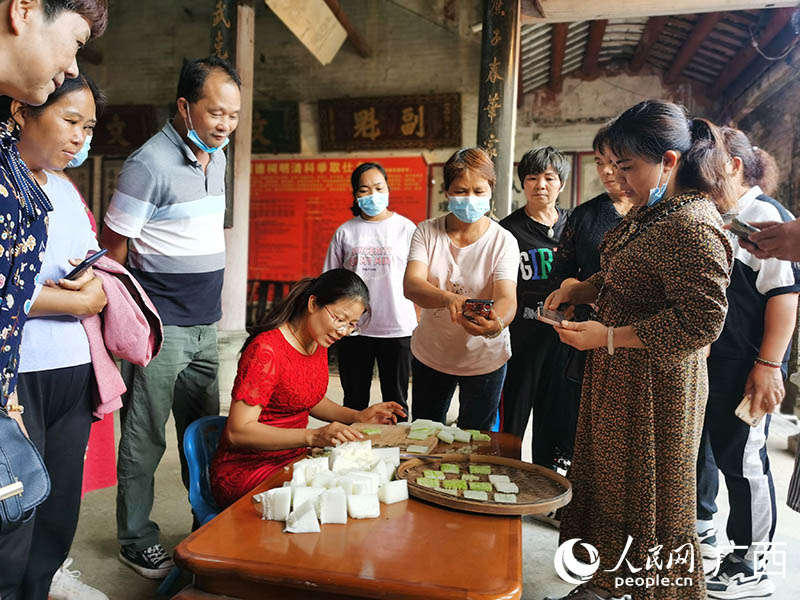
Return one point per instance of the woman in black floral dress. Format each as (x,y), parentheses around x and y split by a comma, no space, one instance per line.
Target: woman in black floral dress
(660,299)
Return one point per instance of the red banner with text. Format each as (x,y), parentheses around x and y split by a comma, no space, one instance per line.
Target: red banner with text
(296,205)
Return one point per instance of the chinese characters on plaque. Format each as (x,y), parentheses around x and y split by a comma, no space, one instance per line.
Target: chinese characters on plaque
(432,121)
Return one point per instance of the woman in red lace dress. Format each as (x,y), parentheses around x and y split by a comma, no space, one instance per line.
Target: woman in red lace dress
(282,379)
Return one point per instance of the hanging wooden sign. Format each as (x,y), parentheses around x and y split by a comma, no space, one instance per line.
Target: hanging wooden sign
(432,121)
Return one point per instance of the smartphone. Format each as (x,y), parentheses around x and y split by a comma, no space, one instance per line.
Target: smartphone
(478,307)
(552,317)
(743,412)
(742,229)
(87,262)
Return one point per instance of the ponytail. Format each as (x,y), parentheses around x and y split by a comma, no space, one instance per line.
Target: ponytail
(330,287)
(758,166)
(704,166)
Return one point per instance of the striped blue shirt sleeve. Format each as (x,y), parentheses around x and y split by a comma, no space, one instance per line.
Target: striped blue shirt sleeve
(134,201)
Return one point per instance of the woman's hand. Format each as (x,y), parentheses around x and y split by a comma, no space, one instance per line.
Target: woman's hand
(566,294)
(765,386)
(475,324)
(93,298)
(583,335)
(383,413)
(455,304)
(332,434)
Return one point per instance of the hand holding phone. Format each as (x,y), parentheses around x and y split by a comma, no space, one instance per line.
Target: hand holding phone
(85,264)
(743,412)
(743,230)
(478,307)
(552,317)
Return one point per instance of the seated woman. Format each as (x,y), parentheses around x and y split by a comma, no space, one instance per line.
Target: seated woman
(55,371)
(455,257)
(282,378)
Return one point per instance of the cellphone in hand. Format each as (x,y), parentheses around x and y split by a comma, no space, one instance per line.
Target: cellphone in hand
(478,307)
(85,264)
(743,412)
(742,229)
(552,317)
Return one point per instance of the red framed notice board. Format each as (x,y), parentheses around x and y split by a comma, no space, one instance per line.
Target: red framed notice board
(296,205)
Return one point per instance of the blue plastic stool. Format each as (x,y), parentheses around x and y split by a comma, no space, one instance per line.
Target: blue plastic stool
(200,443)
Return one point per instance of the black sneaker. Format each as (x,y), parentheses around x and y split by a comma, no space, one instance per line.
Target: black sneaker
(708,544)
(152,562)
(736,579)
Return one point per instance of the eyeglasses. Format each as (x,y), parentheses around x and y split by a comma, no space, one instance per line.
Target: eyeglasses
(341,326)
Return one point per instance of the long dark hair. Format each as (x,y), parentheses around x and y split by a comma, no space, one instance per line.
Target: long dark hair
(652,127)
(758,166)
(330,287)
(355,182)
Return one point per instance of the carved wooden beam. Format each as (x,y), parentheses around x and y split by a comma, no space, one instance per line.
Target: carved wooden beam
(361,47)
(596,32)
(777,47)
(700,31)
(653,29)
(558,46)
(780,17)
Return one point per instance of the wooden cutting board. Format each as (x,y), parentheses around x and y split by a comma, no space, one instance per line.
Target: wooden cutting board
(395,436)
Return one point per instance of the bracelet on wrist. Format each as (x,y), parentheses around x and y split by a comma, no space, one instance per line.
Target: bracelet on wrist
(768,363)
(494,334)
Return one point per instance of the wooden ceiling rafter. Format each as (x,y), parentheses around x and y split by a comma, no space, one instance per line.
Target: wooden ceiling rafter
(558,45)
(597,31)
(779,19)
(777,47)
(652,31)
(699,33)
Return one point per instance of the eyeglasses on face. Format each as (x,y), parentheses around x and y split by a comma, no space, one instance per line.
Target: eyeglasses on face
(341,326)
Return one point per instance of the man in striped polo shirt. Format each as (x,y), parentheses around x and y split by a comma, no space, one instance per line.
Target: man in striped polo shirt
(165,223)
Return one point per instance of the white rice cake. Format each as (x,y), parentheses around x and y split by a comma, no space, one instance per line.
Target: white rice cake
(302,495)
(474,495)
(506,488)
(303,520)
(333,506)
(276,503)
(363,506)
(499,478)
(506,498)
(394,491)
(391,455)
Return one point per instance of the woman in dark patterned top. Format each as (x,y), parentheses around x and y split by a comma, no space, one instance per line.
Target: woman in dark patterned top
(660,298)
(578,258)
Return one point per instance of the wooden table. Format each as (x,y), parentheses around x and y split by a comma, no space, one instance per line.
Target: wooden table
(414,550)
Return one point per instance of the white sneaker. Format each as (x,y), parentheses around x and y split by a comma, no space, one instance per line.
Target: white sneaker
(66,585)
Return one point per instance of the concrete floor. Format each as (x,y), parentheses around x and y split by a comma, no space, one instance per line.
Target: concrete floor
(95,548)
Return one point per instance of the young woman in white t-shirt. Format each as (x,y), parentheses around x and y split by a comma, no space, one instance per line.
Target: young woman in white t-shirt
(463,254)
(374,244)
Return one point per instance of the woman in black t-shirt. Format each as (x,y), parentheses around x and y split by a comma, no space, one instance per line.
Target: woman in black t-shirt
(531,380)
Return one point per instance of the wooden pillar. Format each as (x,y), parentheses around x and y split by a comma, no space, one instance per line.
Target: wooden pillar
(497,102)
(231,328)
(234,292)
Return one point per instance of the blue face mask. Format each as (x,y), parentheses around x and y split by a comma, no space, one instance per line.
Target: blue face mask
(657,193)
(468,209)
(82,154)
(374,204)
(192,135)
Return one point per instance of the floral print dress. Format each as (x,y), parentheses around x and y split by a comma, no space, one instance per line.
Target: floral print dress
(23,235)
(665,269)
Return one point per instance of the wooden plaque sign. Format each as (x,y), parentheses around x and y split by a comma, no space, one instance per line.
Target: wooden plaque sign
(432,121)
